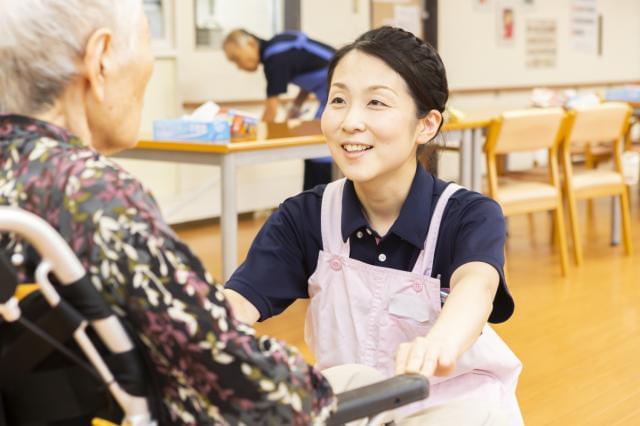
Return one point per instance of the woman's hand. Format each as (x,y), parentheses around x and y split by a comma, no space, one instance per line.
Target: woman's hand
(429,357)
(473,288)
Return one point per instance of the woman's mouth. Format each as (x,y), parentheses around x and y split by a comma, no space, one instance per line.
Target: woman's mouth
(355,148)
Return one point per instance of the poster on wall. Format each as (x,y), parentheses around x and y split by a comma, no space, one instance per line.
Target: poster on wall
(506,28)
(583,25)
(541,43)
(406,14)
(482,5)
(408,18)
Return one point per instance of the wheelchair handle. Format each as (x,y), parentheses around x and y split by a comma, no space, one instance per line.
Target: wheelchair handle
(46,240)
(376,398)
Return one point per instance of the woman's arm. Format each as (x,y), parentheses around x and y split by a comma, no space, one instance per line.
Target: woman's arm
(270,109)
(242,309)
(466,311)
(296,107)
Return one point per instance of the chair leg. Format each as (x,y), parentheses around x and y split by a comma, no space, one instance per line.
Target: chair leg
(575,231)
(626,222)
(532,228)
(589,163)
(562,240)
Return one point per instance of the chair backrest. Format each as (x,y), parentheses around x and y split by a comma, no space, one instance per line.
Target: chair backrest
(525,130)
(606,122)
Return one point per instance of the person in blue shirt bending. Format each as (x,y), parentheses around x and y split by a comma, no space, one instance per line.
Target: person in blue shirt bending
(290,57)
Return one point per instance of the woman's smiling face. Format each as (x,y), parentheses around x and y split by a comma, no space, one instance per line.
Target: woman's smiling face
(370,120)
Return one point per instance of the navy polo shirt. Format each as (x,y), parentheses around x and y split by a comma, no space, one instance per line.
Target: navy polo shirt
(285,252)
(281,68)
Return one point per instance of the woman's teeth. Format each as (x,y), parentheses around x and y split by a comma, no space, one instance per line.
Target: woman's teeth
(355,148)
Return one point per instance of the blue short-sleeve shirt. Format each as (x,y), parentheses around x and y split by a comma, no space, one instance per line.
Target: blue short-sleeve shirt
(285,252)
(281,68)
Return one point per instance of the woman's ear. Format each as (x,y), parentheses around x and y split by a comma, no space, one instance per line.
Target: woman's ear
(428,126)
(96,61)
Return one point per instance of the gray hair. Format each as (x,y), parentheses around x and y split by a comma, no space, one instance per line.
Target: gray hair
(239,36)
(42,40)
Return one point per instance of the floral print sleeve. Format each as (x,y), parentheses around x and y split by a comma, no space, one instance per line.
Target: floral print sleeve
(211,368)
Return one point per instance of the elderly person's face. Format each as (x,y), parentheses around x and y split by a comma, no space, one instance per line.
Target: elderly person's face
(115,86)
(245,55)
(80,64)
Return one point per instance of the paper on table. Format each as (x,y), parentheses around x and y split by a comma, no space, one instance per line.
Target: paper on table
(206,111)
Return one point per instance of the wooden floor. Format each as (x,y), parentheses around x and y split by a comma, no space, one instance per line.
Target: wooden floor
(578,337)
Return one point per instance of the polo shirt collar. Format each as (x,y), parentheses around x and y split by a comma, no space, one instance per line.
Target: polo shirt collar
(413,222)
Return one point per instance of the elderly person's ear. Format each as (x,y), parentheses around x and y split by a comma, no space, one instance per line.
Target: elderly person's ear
(97,60)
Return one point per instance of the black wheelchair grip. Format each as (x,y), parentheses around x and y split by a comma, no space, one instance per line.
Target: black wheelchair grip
(376,398)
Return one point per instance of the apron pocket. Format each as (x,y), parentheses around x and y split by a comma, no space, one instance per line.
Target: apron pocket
(409,306)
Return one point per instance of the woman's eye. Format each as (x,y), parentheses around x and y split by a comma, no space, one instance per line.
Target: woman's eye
(376,102)
(337,100)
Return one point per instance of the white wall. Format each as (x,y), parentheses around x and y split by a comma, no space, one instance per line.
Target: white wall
(468,45)
(335,22)
(205,73)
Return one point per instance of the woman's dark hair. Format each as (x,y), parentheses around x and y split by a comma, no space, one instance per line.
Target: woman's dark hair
(417,62)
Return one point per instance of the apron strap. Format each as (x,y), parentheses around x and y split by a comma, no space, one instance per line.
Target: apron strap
(331,219)
(424,264)
(301,42)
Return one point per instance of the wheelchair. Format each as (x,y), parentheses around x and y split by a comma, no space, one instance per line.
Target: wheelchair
(66,359)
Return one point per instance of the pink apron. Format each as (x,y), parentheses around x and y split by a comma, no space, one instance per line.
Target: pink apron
(360,313)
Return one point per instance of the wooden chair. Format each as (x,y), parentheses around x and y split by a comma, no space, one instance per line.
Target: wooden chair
(521,131)
(597,124)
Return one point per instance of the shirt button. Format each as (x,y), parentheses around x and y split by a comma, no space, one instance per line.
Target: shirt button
(382,257)
(335,264)
(369,231)
(359,234)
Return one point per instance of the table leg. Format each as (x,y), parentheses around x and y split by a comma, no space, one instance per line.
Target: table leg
(229,217)
(476,159)
(466,154)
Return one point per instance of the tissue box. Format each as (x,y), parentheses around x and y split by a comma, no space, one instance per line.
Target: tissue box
(627,94)
(217,130)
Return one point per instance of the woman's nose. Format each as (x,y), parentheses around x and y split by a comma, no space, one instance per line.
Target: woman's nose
(353,120)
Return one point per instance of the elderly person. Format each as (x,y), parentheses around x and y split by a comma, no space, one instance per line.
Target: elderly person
(72,80)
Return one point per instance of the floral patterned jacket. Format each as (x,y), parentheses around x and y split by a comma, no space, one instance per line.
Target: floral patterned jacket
(212,369)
